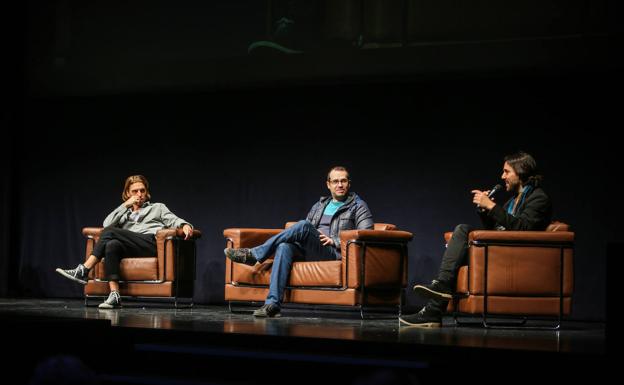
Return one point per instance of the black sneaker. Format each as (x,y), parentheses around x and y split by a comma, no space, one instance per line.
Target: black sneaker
(112,302)
(436,289)
(268,310)
(241,256)
(425,318)
(79,274)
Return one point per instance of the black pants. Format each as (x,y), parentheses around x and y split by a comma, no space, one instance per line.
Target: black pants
(454,257)
(115,244)
(455,254)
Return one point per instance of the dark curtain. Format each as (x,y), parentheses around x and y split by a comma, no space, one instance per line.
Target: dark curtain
(239,159)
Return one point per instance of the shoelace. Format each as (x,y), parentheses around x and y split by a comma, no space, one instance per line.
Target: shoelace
(113,298)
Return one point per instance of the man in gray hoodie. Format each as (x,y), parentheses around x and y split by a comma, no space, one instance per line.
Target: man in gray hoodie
(129,232)
(317,238)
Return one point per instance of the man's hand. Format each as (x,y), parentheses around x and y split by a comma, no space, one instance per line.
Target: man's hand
(325,240)
(133,200)
(481,199)
(188,231)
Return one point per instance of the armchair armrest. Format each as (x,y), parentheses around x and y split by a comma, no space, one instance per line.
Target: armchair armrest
(375,236)
(374,258)
(242,237)
(95,232)
(165,250)
(484,236)
(92,232)
(166,233)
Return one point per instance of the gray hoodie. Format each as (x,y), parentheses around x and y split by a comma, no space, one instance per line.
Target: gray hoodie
(152,217)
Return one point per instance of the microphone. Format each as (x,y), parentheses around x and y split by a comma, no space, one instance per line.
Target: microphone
(494,190)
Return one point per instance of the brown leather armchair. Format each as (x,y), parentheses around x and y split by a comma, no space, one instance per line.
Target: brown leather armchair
(517,273)
(170,274)
(372,270)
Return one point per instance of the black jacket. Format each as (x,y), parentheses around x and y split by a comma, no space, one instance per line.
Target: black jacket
(534,213)
(354,214)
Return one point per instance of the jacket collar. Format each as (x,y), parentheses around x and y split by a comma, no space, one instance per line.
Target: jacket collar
(350,199)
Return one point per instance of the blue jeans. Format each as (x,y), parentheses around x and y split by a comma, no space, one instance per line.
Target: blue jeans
(300,241)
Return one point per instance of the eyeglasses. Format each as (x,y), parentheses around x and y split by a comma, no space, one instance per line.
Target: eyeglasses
(335,182)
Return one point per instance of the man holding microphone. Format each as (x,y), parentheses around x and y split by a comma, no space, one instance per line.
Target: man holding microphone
(528,209)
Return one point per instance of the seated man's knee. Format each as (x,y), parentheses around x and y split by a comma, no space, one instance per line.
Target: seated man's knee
(463,228)
(304,225)
(108,232)
(113,246)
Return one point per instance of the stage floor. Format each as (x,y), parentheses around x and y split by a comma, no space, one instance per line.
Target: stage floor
(301,337)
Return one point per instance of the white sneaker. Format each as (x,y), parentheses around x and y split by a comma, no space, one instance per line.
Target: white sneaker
(112,302)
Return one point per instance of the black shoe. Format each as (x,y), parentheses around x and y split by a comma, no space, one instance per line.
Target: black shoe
(241,256)
(435,290)
(112,302)
(425,318)
(79,274)
(268,310)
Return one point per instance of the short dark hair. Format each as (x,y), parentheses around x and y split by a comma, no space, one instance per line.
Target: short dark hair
(525,166)
(339,168)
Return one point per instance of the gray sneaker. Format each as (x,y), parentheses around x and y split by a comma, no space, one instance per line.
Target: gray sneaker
(242,255)
(270,310)
(112,302)
(80,274)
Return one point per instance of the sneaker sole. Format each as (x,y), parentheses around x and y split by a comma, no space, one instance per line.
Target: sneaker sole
(422,325)
(271,46)
(428,293)
(268,316)
(64,274)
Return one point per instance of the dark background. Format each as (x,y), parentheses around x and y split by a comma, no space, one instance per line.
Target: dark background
(421,100)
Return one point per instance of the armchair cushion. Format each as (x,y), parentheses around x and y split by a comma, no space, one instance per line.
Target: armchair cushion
(320,273)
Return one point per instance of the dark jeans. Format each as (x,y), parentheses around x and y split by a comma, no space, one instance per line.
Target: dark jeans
(300,242)
(115,244)
(454,257)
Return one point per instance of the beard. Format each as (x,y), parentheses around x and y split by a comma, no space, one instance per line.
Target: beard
(514,186)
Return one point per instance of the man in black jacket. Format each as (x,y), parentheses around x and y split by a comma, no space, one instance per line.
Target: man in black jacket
(315,239)
(529,209)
